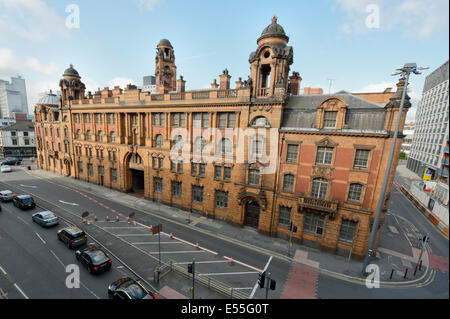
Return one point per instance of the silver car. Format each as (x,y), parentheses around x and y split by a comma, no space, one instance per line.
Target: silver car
(46,218)
(6,195)
(6,169)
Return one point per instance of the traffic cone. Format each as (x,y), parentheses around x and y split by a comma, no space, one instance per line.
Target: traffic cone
(117,219)
(196,246)
(171,236)
(107,218)
(95,218)
(128,220)
(231,262)
(151,226)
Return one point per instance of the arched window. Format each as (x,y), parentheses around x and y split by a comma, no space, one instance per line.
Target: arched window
(225,147)
(199,145)
(65,118)
(66,132)
(78,134)
(113,137)
(179,142)
(159,140)
(100,136)
(319,188)
(135,158)
(89,135)
(260,121)
(288,183)
(355,192)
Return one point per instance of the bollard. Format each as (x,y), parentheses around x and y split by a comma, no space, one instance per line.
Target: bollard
(107,218)
(406,272)
(117,218)
(95,218)
(128,220)
(420,265)
(415,270)
(171,236)
(231,261)
(392,273)
(196,246)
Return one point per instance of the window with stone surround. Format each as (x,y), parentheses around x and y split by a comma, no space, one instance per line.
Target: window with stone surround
(292,152)
(159,140)
(355,192)
(80,167)
(361,159)
(226,120)
(90,170)
(197,193)
(157,185)
(201,120)
(348,229)
(329,119)
(113,175)
(314,223)
(324,155)
(158,119)
(284,216)
(253,176)
(221,199)
(176,189)
(177,119)
(288,183)
(319,188)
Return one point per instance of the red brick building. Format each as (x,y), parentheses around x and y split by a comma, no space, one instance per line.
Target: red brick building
(327,153)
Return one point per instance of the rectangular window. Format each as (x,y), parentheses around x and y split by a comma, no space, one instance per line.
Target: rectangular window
(113,175)
(314,223)
(257,148)
(288,183)
(14,141)
(221,199)
(226,120)
(202,169)
(161,162)
(155,162)
(348,228)
(197,194)
(101,170)
(157,185)
(222,120)
(25,133)
(26,141)
(253,176)
(329,120)
(217,172)
(90,170)
(176,189)
(178,119)
(361,158)
(354,192)
(194,169)
(292,151)
(201,120)
(319,188)
(324,155)
(226,173)
(284,217)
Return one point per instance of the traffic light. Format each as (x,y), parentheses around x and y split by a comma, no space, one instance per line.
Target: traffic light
(293,227)
(190,268)
(261,279)
(273,283)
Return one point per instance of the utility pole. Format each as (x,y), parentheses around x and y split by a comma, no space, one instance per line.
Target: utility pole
(267,284)
(405,71)
(425,240)
(191,270)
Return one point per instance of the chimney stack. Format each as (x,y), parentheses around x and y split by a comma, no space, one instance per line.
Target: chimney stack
(116,91)
(225,80)
(295,80)
(214,85)
(181,85)
(106,92)
(239,84)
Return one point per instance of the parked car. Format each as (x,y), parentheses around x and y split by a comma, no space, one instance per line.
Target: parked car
(11,161)
(72,236)
(6,195)
(6,169)
(45,219)
(94,259)
(128,288)
(24,202)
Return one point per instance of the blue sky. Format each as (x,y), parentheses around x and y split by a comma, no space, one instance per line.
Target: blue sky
(116,41)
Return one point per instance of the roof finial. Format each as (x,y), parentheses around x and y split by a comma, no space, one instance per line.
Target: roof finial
(71,66)
(274,19)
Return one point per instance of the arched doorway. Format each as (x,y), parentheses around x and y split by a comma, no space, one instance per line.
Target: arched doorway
(67,167)
(134,168)
(252,210)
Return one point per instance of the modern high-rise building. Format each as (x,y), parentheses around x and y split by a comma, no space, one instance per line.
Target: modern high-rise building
(149,84)
(13,97)
(429,150)
(408,131)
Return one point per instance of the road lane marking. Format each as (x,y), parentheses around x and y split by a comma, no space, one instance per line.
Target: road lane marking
(155,243)
(20,290)
(243,264)
(256,285)
(40,238)
(73,204)
(28,186)
(201,262)
(176,252)
(3,271)
(230,273)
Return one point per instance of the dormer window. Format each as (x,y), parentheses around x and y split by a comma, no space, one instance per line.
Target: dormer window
(329,119)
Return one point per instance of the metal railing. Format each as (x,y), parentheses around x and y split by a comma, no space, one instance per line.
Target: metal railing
(263,92)
(225,94)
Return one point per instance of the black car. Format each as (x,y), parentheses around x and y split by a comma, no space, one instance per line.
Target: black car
(128,288)
(24,202)
(94,259)
(12,161)
(72,236)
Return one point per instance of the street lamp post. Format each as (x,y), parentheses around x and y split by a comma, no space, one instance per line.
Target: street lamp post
(405,71)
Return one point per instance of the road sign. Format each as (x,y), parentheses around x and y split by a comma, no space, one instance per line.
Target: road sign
(156,229)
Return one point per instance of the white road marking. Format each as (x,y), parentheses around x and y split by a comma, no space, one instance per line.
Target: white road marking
(243,264)
(64,266)
(176,252)
(40,238)
(230,273)
(156,243)
(256,285)
(132,234)
(28,186)
(73,204)
(20,290)
(3,270)
(201,262)
(133,227)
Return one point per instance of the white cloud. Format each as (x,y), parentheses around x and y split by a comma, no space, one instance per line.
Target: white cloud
(30,19)
(11,65)
(122,82)
(419,18)
(147,4)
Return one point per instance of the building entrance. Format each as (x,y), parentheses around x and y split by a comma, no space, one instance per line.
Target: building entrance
(252,210)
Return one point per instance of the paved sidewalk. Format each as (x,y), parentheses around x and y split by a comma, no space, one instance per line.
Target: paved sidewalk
(340,267)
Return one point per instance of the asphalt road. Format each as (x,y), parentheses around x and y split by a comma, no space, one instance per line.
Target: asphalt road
(136,247)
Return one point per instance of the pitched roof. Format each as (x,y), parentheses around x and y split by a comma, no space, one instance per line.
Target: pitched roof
(19,126)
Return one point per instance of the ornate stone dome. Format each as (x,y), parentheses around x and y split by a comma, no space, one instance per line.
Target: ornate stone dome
(274,30)
(71,71)
(49,99)
(165,42)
